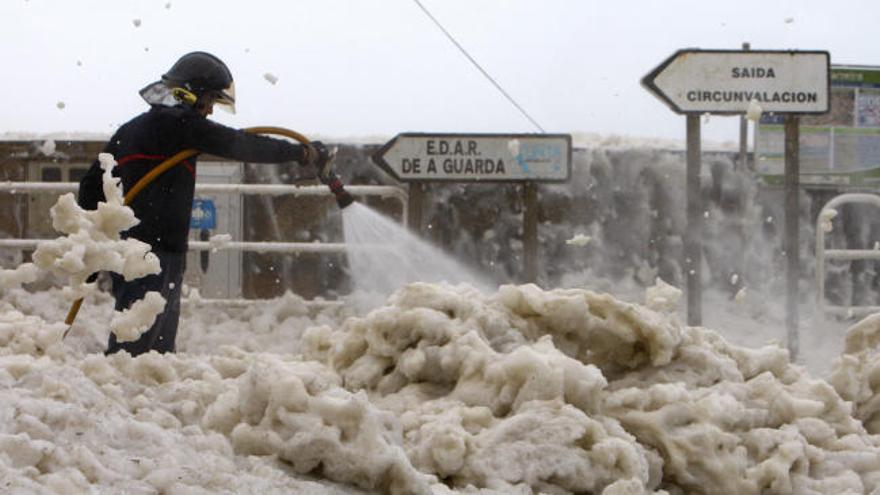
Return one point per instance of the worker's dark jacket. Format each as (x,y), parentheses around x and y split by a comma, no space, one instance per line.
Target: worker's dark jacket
(165,205)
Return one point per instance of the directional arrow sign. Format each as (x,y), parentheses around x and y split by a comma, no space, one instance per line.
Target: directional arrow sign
(727,81)
(477,157)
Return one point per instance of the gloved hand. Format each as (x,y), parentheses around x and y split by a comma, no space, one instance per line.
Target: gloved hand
(322,159)
(316,155)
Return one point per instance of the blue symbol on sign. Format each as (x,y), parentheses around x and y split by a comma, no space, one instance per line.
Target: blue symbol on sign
(538,153)
(522,163)
(204,215)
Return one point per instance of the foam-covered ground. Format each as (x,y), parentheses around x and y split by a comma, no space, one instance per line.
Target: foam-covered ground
(442,389)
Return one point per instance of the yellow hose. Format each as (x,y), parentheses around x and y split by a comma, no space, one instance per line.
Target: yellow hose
(156,172)
(183,155)
(165,165)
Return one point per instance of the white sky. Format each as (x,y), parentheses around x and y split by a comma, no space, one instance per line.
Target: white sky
(376,68)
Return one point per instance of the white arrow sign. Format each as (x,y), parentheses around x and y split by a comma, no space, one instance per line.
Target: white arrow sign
(727,81)
(477,157)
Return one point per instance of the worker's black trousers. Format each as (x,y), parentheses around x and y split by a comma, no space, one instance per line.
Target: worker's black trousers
(160,337)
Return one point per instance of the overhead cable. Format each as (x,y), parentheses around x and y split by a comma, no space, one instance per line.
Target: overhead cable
(477,65)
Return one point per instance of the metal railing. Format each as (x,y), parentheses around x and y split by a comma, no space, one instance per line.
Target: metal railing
(823,254)
(395,192)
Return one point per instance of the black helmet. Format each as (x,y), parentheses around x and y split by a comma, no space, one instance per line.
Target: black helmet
(193,76)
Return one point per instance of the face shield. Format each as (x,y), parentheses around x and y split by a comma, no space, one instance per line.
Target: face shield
(158,93)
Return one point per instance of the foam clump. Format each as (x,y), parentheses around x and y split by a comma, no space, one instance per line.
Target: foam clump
(856,374)
(24,274)
(441,390)
(91,242)
(131,323)
(663,297)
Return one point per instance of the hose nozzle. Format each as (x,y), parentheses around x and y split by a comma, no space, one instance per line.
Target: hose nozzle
(343,198)
(328,176)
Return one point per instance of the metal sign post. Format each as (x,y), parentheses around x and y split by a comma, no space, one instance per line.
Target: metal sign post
(693,241)
(414,206)
(530,232)
(726,82)
(792,246)
(742,159)
(523,158)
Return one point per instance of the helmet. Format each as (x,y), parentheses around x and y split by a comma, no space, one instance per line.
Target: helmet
(193,76)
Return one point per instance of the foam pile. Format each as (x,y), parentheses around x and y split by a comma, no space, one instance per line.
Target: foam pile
(175,423)
(576,391)
(442,390)
(856,374)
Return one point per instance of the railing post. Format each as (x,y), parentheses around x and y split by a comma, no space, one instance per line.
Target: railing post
(823,254)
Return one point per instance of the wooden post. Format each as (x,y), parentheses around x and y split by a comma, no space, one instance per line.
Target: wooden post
(693,246)
(414,207)
(530,232)
(791,245)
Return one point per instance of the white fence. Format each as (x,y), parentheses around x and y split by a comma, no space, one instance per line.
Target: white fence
(823,254)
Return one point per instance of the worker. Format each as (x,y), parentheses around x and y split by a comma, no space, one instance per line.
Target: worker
(177,120)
